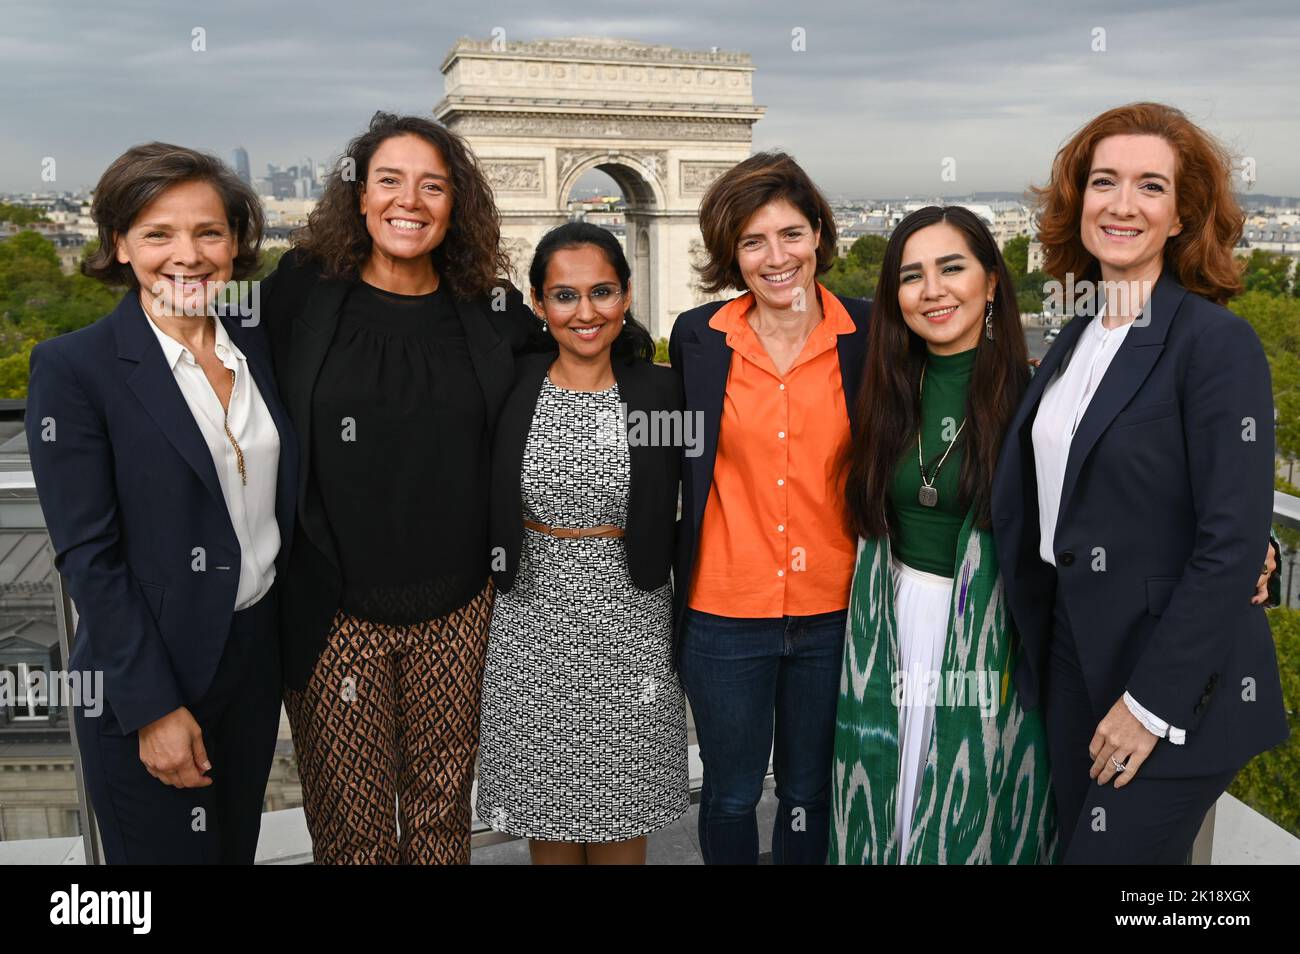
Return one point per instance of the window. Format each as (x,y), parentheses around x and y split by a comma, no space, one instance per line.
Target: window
(29,689)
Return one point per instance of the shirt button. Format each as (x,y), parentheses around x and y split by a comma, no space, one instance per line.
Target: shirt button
(781,386)
(780,528)
(780,481)
(781,434)
(780,572)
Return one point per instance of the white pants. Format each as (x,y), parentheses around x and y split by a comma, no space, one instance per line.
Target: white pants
(921,603)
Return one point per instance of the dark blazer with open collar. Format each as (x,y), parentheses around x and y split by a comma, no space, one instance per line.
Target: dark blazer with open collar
(130,493)
(1165,509)
(301,309)
(700,355)
(655,469)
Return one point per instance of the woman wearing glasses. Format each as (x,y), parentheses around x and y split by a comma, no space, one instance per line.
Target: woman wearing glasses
(583,738)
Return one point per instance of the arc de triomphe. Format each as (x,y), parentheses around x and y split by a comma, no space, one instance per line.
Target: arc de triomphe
(663,123)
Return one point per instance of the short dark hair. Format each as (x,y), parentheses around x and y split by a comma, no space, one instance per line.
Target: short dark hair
(742,190)
(470,256)
(633,341)
(142,174)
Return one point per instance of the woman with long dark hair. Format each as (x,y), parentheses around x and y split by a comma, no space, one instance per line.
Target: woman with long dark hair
(394,334)
(584,724)
(935,759)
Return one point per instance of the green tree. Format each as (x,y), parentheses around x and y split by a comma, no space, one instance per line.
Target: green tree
(868,252)
(1016,255)
(20,215)
(1267,272)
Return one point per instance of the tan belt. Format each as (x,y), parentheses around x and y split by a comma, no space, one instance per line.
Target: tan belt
(573,533)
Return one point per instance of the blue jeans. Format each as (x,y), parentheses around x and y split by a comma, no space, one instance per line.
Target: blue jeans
(748,679)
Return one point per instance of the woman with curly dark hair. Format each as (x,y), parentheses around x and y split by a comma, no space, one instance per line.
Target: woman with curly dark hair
(394,336)
(1134,493)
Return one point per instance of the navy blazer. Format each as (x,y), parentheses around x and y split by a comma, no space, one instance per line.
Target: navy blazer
(654,477)
(701,356)
(130,494)
(1166,504)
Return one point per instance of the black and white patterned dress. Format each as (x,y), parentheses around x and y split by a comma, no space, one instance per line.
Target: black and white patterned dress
(583,733)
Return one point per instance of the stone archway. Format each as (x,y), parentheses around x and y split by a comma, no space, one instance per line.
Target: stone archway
(662,123)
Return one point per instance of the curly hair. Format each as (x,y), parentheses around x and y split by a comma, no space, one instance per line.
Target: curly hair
(143,173)
(1200,256)
(470,258)
(742,190)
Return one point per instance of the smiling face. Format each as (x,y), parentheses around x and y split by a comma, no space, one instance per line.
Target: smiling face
(180,248)
(943,289)
(777,256)
(1129,206)
(406,199)
(587,330)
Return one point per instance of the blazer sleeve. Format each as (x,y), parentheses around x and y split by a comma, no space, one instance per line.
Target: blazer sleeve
(675,347)
(75,483)
(518,323)
(1228,429)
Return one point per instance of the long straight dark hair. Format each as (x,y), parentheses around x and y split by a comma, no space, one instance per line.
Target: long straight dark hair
(888,405)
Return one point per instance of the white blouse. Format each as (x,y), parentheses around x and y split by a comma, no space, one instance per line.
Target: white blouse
(251,506)
(1064,403)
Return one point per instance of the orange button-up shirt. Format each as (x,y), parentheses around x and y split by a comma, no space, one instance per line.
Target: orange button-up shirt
(774,541)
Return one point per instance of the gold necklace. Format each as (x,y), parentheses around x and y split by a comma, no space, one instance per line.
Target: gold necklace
(239,453)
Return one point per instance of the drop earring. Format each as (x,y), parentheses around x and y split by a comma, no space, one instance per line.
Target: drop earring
(988,321)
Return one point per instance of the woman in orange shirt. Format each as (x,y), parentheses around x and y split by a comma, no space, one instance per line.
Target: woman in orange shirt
(765,557)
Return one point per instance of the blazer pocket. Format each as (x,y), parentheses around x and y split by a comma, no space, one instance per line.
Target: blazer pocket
(1159,591)
(153,596)
(1145,413)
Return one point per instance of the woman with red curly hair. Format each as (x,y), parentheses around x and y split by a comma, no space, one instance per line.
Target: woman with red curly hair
(1133,491)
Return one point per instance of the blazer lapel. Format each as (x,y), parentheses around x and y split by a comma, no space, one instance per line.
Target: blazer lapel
(634,394)
(313,330)
(1137,355)
(705,389)
(153,382)
(492,362)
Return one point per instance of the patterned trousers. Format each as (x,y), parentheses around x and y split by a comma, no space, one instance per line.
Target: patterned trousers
(386,733)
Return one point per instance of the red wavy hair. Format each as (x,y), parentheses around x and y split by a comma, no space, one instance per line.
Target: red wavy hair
(1200,256)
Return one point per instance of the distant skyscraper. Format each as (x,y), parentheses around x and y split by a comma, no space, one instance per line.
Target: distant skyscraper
(241,164)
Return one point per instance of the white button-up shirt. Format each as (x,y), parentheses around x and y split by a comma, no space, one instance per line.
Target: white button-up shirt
(251,506)
(1065,401)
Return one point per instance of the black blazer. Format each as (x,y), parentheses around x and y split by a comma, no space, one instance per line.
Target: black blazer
(129,492)
(1171,483)
(655,471)
(301,309)
(700,355)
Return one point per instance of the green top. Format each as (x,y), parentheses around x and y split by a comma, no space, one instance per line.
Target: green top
(925,538)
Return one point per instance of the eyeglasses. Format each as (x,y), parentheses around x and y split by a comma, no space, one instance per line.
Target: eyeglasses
(602,297)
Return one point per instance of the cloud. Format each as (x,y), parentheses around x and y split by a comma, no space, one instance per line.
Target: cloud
(883,92)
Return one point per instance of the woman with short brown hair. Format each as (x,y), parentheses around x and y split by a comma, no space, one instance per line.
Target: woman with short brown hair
(764,556)
(166,468)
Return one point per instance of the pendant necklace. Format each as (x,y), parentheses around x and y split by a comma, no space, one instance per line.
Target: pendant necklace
(928,494)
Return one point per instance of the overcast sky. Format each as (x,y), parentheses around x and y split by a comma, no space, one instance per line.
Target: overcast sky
(882,94)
